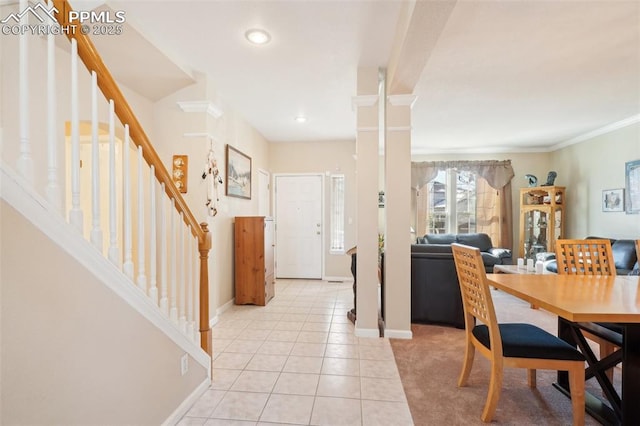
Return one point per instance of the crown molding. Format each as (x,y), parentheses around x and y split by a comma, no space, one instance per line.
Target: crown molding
(363,101)
(201,106)
(598,132)
(402,100)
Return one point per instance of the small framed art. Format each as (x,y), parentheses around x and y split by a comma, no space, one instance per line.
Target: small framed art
(238,183)
(613,200)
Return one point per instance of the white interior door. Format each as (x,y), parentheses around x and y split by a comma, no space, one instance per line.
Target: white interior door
(299,227)
(263,193)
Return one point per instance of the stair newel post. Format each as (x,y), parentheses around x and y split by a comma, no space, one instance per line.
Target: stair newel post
(53,189)
(96,230)
(75,214)
(142,278)
(205,329)
(182,281)
(164,301)
(153,249)
(114,252)
(128,245)
(173,312)
(25,161)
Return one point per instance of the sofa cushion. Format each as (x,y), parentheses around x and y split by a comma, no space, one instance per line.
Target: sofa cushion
(431,248)
(490,260)
(481,241)
(500,253)
(624,254)
(440,238)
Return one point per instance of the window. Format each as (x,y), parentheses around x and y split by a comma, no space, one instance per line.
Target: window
(451,202)
(337,214)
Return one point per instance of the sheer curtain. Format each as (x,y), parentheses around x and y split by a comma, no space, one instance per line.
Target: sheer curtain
(494,213)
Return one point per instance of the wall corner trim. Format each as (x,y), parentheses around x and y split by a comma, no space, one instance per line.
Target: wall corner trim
(597,132)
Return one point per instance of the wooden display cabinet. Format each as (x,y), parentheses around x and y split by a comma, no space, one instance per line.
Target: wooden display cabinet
(542,215)
(254,260)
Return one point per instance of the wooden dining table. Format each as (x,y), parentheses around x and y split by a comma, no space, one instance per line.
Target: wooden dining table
(580,300)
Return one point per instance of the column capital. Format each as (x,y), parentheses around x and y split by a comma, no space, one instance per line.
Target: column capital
(402,100)
(363,101)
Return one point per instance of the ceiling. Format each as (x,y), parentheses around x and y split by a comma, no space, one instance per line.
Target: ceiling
(490,76)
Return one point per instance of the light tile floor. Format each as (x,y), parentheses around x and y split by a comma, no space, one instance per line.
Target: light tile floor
(297,361)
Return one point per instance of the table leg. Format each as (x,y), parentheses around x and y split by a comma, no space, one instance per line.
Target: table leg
(593,405)
(631,375)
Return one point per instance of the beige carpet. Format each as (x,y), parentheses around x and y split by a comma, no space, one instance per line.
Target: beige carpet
(430,363)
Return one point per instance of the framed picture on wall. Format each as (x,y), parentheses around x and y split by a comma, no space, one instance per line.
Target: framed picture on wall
(632,182)
(613,200)
(238,182)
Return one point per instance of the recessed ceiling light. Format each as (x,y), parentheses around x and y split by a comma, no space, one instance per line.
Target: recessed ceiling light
(301,118)
(257,36)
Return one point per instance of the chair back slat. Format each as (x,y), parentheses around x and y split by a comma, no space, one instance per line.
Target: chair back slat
(476,296)
(585,257)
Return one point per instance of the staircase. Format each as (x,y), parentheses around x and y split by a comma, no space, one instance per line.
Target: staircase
(105,315)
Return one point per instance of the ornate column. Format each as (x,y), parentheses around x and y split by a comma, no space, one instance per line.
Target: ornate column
(397,291)
(367,139)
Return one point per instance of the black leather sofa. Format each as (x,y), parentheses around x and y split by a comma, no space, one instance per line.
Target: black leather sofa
(435,292)
(624,256)
(490,255)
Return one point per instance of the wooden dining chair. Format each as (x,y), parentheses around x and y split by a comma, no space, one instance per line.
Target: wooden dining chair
(588,257)
(585,257)
(509,344)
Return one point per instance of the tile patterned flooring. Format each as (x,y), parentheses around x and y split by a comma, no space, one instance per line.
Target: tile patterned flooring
(297,361)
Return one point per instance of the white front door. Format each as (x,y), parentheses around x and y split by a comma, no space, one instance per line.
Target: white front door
(299,227)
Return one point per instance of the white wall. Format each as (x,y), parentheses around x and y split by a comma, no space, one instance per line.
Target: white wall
(587,169)
(170,125)
(74,352)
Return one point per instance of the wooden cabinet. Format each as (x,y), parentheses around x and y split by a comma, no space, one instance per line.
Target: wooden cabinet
(541,219)
(254,260)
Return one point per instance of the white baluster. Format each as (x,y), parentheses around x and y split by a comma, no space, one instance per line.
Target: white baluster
(153,289)
(142,278)
(25,161)
(114,252)
(75,214)
(96,231)
(128,246)
(53,189)
(173,312)
(196,291)
(164,300)
(190,261)
(182,281)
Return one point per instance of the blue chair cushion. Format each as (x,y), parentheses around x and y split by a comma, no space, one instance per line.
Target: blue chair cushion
(529,341)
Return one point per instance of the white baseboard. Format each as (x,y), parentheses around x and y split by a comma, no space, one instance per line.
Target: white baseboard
(338,279)
(398,334)
(182,409)
(367,332)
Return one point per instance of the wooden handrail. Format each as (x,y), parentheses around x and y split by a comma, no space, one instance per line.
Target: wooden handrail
(92,60)
(110,89)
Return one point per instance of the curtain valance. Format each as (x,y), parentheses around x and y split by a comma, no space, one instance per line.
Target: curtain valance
(496,173)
